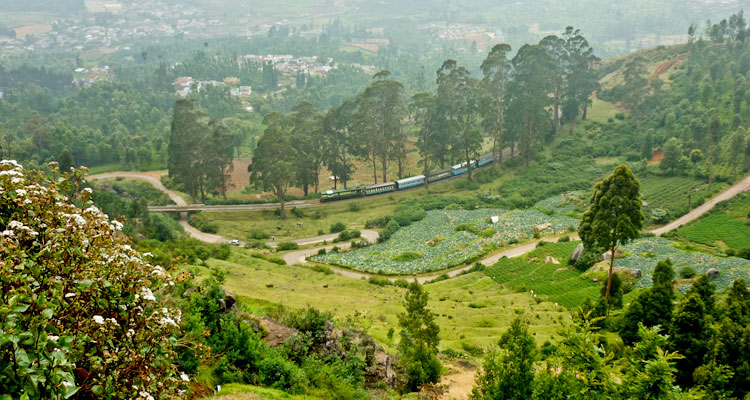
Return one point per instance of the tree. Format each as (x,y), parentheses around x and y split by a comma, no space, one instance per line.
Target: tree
(635,87)
(309,144)
(532,81)
(496,71)
(424,109)
(650,369)
(615,215)
(735,149)
(274,158)
(706,291)
(714,134)
(217,155)
(555,47)
(66,160)
(672,155)
(509,372)
(653,306)
(420,336)
(457,96)
(185,139)
(696,156)
(689,336)
(340,142)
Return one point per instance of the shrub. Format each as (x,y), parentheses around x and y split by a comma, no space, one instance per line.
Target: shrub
(488,232)
(297,212)
(687,273)
(76,321)
(389,230)
(322,268)
(468,227)
(379,222)
(408,256)
(564,239)
(321,252)
(465,184)
(379,281)
(222,251)
(203,224)
(337,227)
(402,283)
(284,246)
(258,235)
(353,206)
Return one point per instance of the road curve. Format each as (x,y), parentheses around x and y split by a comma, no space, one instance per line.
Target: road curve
(192,231)
(299,256)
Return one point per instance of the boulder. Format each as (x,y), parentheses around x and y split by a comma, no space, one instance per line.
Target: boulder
(606,256)
(577,253)
(713,273)
(542,227)
(550,259)
(637,273)
(382,370)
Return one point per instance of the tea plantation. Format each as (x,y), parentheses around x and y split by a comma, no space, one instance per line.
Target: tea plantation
(726,226)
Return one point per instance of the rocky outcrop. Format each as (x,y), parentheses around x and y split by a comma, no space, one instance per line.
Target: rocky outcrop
(713,273)
(577,253)
(276,333)
(542,227)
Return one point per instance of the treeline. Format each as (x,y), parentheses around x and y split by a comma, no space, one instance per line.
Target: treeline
(511,104)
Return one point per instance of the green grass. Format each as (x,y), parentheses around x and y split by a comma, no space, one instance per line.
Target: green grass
(552,282)
(236,391)
(670,193)
(262,286)
(725,227)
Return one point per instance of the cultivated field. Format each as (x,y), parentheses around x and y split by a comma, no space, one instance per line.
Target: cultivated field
(727,226)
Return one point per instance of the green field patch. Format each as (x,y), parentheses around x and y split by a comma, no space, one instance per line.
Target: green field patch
(413,249)
(551,282)
(727,226)
(670,193)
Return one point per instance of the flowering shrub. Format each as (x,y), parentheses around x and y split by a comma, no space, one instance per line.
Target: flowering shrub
(79,308)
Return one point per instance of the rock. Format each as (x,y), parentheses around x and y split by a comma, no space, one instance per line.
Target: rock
(276,333)
(577,253)
(542,227)
(550,259)
(713,273)
(637,273)
(382,370)
(606,256)
(494,219)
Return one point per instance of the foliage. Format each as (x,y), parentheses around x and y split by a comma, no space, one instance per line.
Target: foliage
(100,279)
(420,336)
(203,223)
(284,246)
(337,227)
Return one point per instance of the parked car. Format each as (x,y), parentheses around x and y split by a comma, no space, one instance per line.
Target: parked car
(234,242)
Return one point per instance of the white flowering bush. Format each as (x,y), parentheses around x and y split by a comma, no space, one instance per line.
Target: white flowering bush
(80,315)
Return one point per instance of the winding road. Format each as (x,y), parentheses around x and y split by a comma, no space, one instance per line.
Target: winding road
(300,256)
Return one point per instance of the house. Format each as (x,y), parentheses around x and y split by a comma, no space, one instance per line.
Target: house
(231,80)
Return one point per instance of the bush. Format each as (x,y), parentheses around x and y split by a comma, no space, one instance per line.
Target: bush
(353,206)
(379,222)
(347,235)
(321,252)
(284,246)
(258,235)
(466,184)
(468,227)
(402,283)
(489,232)
(687,273)
(408,256)
(202,223)
(53,327)
(378,281)
(337,227)
(322,268)
(564,239)
(389,230)
(297,212)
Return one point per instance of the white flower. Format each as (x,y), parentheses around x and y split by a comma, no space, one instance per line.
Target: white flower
(21,192)
(8,233)
(146,395)
(167,321)
(10,173)
(148,254)
(147,294)
(80,221)
(67,384)
(86,190)
(114,321)
(130,332)
(70,295)
(117,225)
(15,224)
(53,337)
(98,319)
(184,377)
(15,164)
(16,180)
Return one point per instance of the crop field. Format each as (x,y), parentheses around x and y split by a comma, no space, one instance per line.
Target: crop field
(434,242)
(552,282)
(726,226)
(644,254)
(564,203)
(472,310)
(671,193)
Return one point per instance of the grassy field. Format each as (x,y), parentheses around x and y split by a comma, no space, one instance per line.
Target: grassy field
(551,282)
(473,309)
(725,227)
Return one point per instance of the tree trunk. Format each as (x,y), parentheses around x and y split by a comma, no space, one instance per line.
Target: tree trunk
(609,275)
(585,111)
(710,168)
(335,181)
(572,125)
(305,189)
(282,210)
(400,167)
(384,164)
(374,169)
(557,109)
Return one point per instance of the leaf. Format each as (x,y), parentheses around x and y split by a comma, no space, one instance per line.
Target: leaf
(47,313)
(97,390)
(85,283)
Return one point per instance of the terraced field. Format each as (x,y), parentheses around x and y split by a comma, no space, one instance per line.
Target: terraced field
(551,282)
(671,193)
(435,243)
(726,226)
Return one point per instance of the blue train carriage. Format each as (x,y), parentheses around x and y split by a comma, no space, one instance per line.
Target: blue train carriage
(459,169)
(406,183)
(439,175)
(380,189)
(488,159)
(333,195)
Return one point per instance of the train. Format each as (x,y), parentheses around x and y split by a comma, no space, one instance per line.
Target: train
(406,183)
